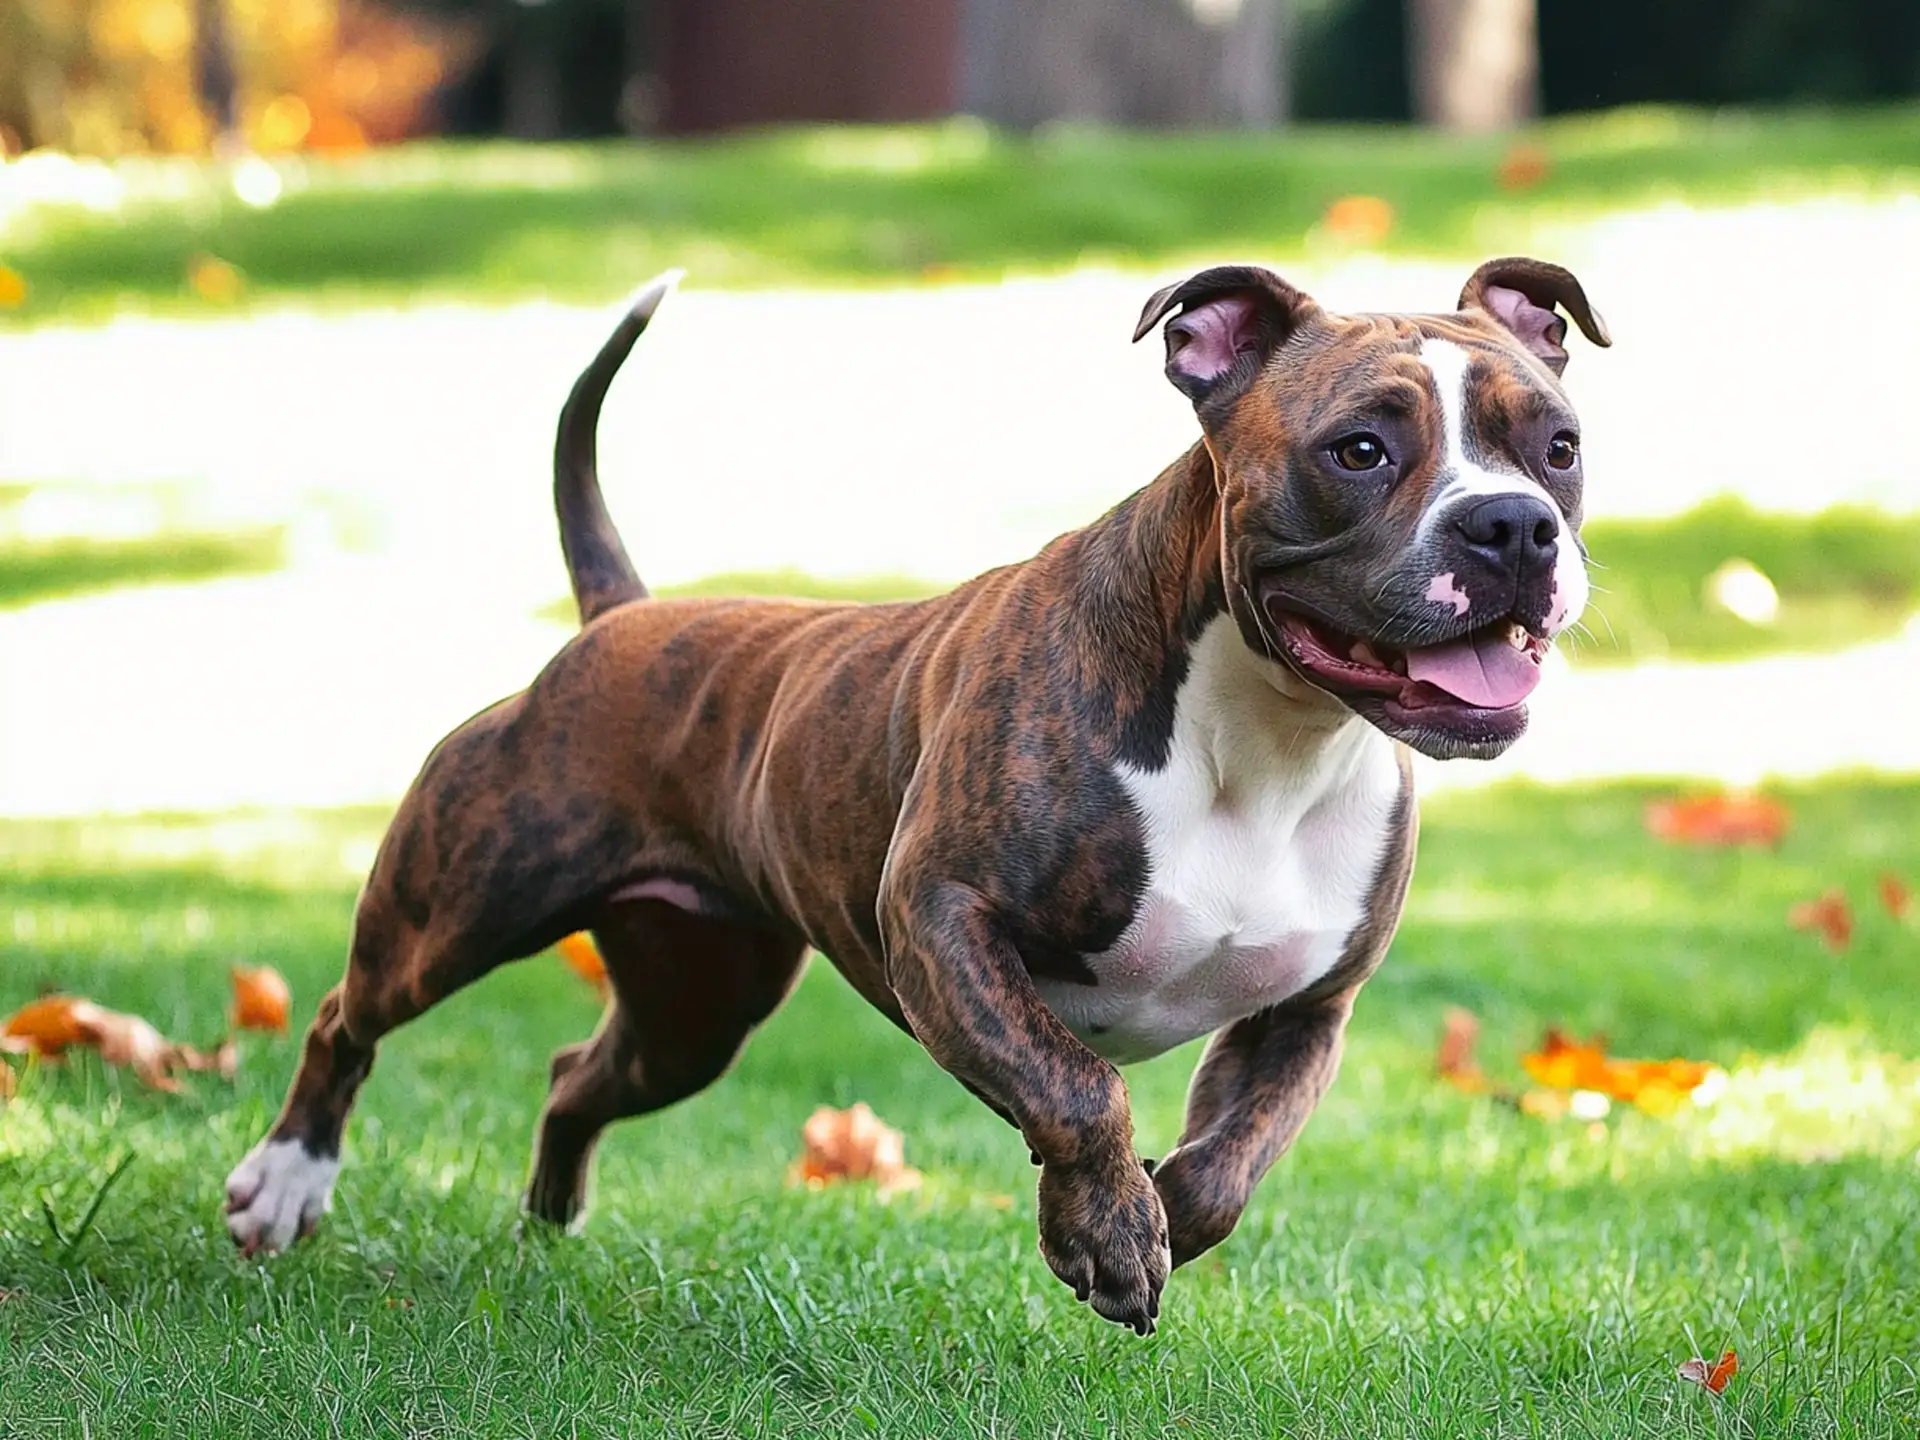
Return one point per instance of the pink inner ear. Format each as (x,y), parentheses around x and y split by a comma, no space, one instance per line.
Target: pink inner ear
(1541,331)
(1215,334)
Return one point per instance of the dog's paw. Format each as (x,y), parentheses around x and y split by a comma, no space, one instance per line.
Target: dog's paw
(277,1195)
(1203,1196)
(1103,1231)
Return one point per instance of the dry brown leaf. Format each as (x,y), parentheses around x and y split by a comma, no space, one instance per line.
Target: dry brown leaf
(1712,1377)
(44,1027)
(1830,917)
(852,1144)
(223,1060)
(1895,897)
(1455,1060)
(1731,818)
(54,1024)
(1524,166)
(579,951)
(7,1089)
(261,999)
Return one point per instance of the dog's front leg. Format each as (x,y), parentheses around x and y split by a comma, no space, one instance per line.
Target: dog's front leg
(970,1000)
(1257,1084)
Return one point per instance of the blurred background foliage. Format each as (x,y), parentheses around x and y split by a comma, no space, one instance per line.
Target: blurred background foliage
(116,77)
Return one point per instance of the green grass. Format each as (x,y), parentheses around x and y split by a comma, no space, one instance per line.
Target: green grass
(1424,1264)
(839,206)
(1845,575)
(31,571)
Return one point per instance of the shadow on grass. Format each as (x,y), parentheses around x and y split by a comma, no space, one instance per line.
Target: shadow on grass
(890,204)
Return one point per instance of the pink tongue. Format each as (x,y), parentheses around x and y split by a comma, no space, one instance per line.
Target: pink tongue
(1483,670)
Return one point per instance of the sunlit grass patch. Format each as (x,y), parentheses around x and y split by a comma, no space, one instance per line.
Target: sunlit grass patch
(1423,1263)
(1841,576)
(32,571)
(59,539)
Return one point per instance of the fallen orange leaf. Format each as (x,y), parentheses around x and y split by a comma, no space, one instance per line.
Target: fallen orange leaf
(579,951)
(223,1060)
(1655,1086)
(852,1144)
(1524,166)
(1719,819)
(1564,1064)
(261,999)
(44,1027)
(55,1023)
(1359,219)
(1895,896)
(1714,1377)
(1830,917)
(214,280)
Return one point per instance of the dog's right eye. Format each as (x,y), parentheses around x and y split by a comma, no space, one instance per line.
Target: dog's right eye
(1359,452)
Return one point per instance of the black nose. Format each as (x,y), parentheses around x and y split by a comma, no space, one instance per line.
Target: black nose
(1516,532)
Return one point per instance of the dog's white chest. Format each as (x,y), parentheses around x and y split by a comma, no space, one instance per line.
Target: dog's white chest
(1264,842)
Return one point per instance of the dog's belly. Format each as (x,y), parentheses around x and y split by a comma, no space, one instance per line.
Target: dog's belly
(1185,969)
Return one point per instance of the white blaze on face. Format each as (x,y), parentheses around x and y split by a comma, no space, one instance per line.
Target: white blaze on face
(1469,479)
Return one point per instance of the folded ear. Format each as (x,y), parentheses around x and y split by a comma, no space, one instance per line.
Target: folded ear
(1231,319)
(1521,294)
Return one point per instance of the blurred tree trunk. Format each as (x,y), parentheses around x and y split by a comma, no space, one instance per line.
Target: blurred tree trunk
(1138,62)
(1475,64)
(216,79)
(530,69)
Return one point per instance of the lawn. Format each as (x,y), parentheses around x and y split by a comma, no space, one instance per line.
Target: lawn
(885,205)
(31,571)
(1426,1263)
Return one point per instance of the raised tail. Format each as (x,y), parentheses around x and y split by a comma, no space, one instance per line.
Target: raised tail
(597,563)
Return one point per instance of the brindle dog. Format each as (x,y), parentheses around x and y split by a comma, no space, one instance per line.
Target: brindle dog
(1149,785)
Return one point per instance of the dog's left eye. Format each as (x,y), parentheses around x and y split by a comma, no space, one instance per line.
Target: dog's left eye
(1359,452)
(1563,450)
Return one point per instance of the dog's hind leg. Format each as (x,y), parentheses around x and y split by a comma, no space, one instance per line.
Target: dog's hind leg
(487,860)
(688,989)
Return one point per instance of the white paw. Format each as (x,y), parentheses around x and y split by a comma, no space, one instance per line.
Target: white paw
(277,1194)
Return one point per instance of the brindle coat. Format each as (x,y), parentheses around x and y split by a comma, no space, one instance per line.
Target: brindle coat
(927,793)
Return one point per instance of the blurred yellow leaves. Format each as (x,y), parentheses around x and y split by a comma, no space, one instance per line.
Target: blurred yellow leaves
(214,280)
(13,289)
(114,77)
(1361,221)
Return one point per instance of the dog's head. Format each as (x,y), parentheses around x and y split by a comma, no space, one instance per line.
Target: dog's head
(1400,495)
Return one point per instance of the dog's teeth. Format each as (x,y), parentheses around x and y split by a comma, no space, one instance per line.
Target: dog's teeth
(1517,636)
(1365,654)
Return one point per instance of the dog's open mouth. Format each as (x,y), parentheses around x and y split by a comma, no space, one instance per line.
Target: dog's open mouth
(1486,671)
